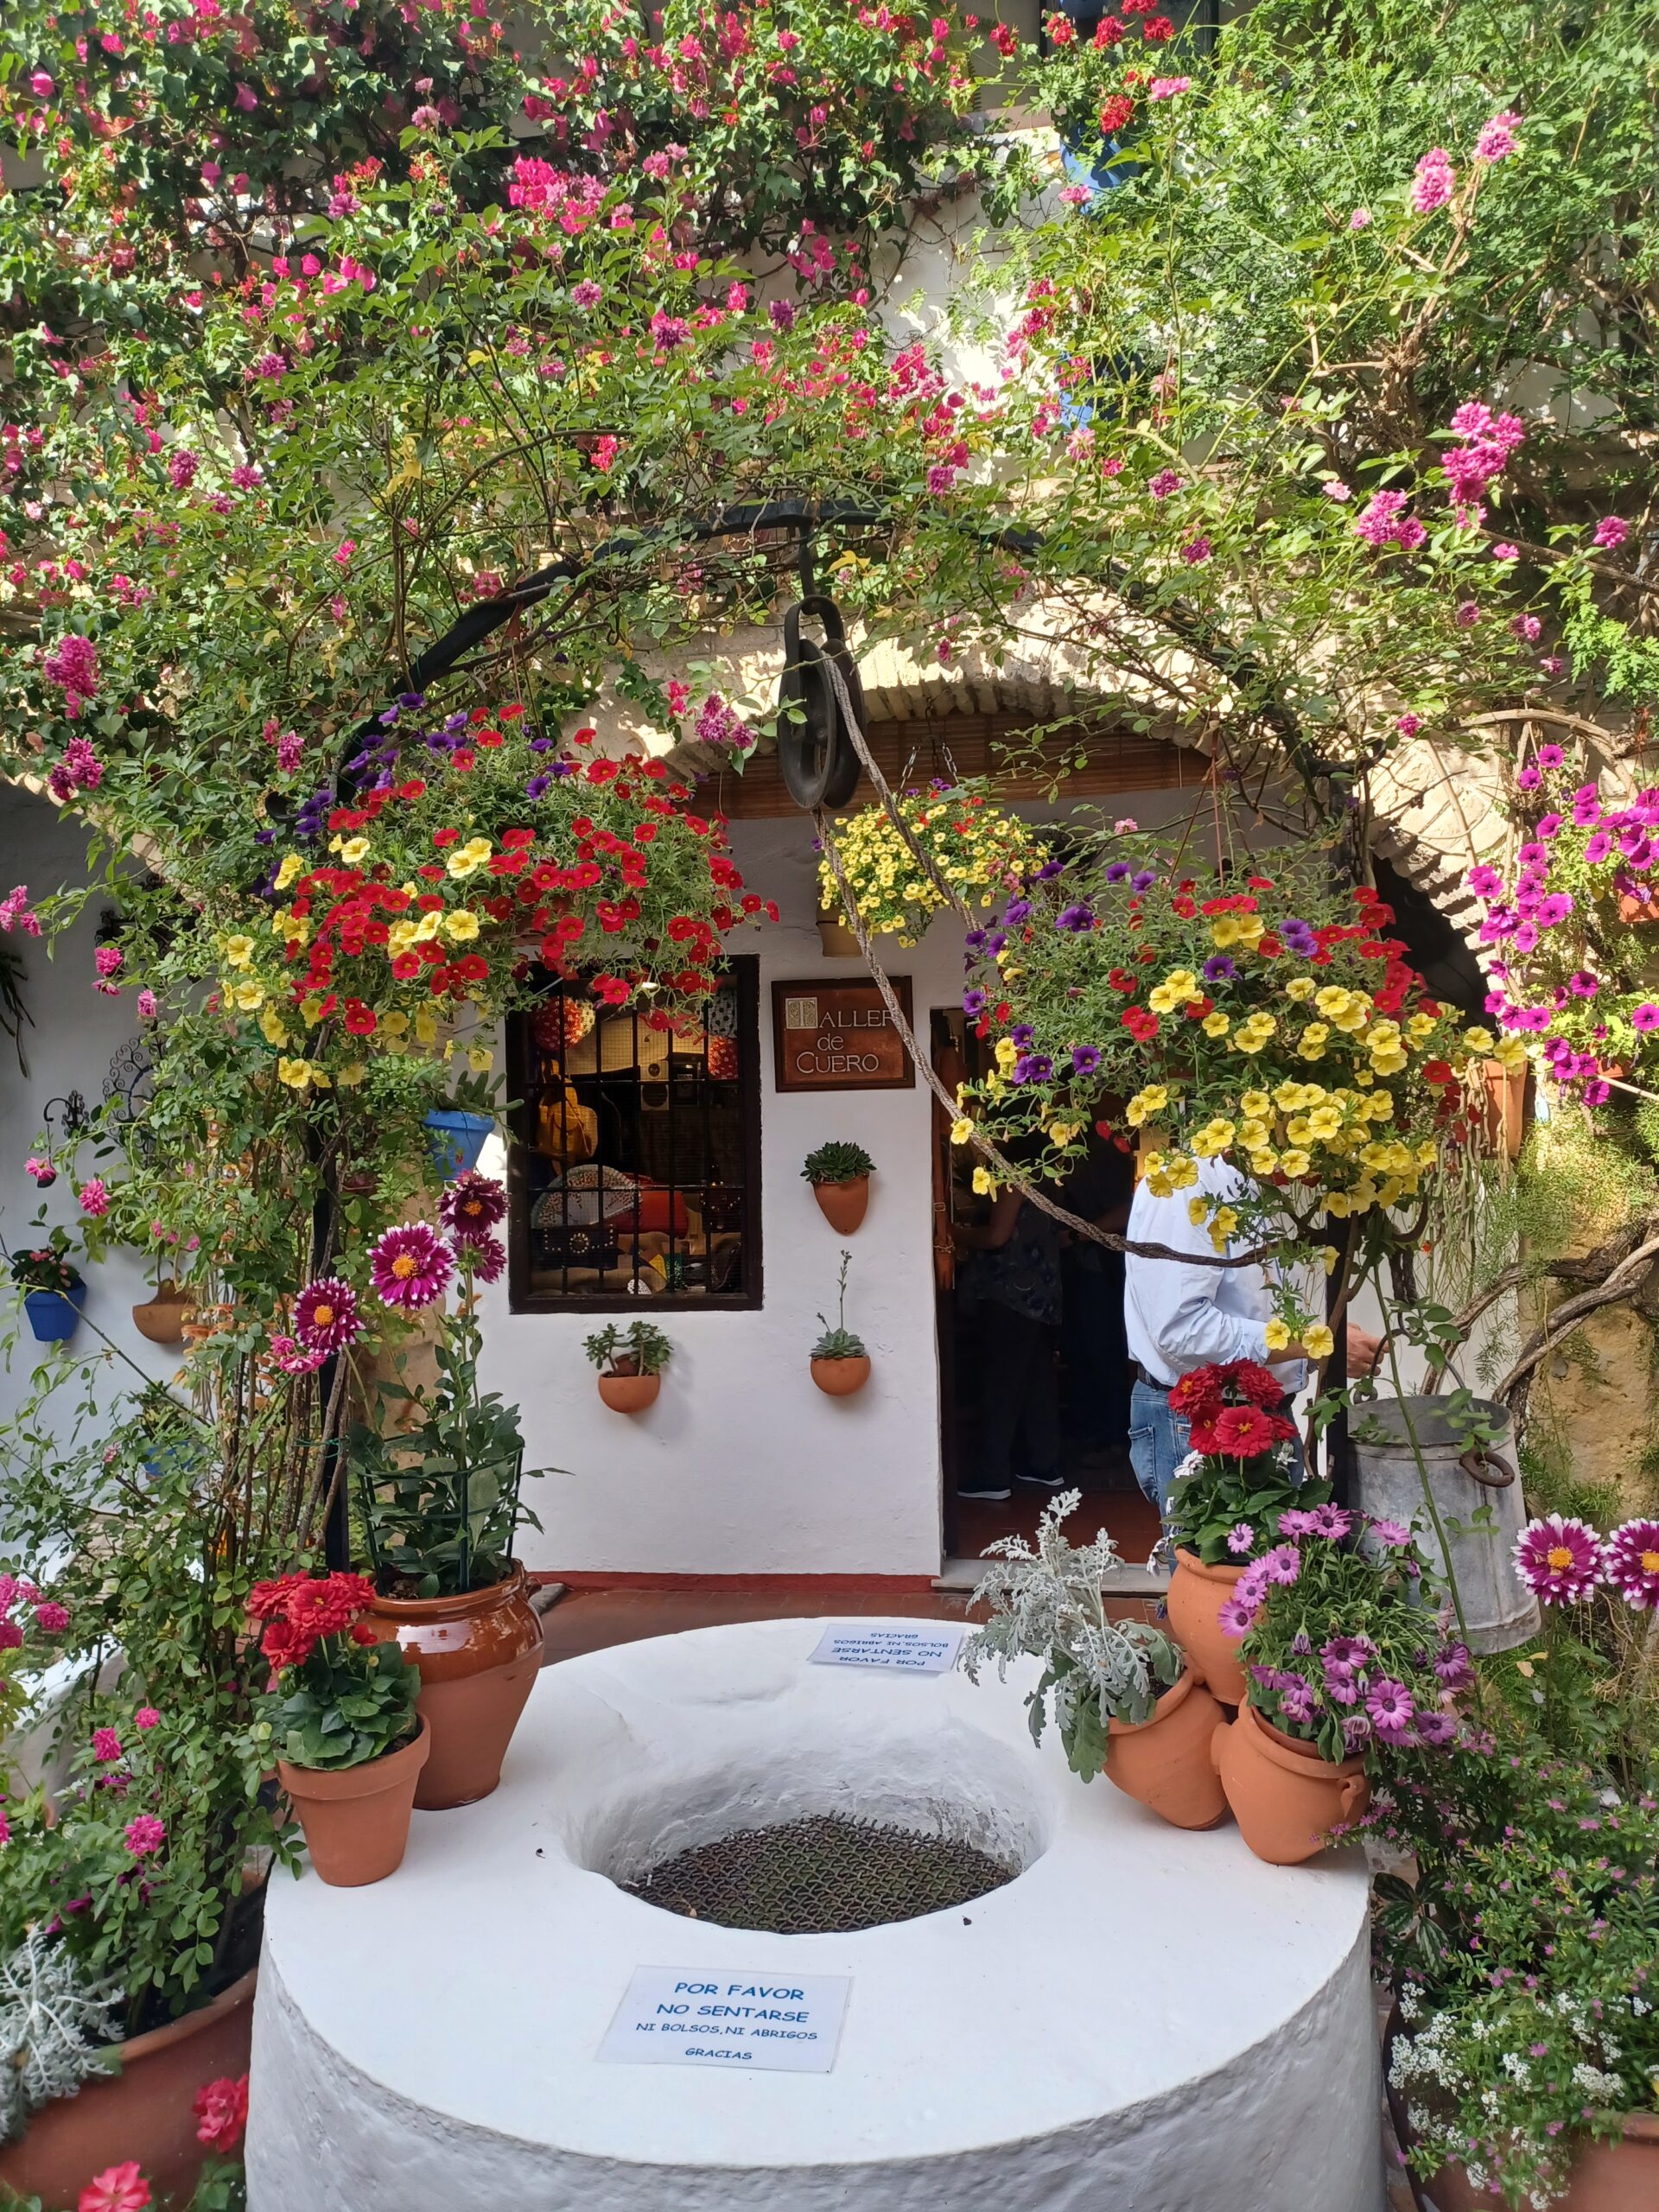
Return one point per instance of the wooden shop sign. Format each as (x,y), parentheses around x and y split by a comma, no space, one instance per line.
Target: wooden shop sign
(839,1037)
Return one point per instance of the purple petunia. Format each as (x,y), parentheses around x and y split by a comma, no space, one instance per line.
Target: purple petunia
(1218,969)
(1560,1559)
(1085,1058)
(1075,918)
(1143,881)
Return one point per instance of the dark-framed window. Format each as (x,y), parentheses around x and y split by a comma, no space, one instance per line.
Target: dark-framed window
(633,1168)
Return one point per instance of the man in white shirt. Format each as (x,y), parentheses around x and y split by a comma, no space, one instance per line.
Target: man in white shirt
(1178,1316)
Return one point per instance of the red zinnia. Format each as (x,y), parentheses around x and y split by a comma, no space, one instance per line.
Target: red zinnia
(1243,1432)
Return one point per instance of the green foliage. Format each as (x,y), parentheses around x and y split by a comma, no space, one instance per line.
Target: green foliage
(344,1705)
(838,1162)
(1220,1496)
(641,1344)
(46,1266)
(841,1342)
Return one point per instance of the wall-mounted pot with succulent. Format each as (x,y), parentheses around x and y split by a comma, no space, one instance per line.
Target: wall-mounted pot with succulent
(630,1363)
(840,1362)
(840,1175)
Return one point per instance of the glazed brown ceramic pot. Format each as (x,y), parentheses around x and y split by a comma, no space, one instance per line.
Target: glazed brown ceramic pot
(143,2112)
(161,1320)
(629,1393)
(356,1818)
(1285,1797)
(1196,1594)
(839,1378)
(843,1206)
(1164,1763)
(477,1655)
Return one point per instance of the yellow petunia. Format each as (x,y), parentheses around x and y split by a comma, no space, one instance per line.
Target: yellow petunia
(1145,1103)
(354,850)
(1275,1335)
(460,926)
(239,950)
(984,1182)
(1197,1211)
(350,1077)
(1296,1161)
(1254,1105)
(1215,1136)
(271,1022)
(249,996)
(467,859)
(426,1025)
(480,1058)
(1216,1024)
(1478,1039)
(1300,987)
(292,866)
(1318,1340)
(296,1074)
(961,1131)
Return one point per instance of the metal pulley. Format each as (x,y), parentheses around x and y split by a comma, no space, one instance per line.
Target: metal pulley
(815,749)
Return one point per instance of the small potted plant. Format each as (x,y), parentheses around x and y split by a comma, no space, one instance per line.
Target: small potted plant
(160,1320)
(1126,1700)
(1348,1665)
(443,1471)
(840,1362)
(840,1175)
(54,1290)
(349,1743)
(1225,1504)
(630,1363)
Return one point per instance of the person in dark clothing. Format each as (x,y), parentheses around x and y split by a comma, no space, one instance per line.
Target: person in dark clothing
(1012,1272)
(1092,1336)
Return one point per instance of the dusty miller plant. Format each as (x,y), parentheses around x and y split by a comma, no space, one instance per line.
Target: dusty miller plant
(55,2020)
(1048,1603)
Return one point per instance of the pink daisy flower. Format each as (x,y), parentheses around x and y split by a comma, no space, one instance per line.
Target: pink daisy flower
(325,1314)
(410,1265)
(1632,1559)
(1237,1619)
(1560,1559)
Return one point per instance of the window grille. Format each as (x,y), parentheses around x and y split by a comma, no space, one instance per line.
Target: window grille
(634,1167)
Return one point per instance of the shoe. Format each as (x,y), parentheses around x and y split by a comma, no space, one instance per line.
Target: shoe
(977,1494)
(1041,1481)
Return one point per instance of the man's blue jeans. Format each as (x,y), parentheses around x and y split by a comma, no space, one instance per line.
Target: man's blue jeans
(1157,1441)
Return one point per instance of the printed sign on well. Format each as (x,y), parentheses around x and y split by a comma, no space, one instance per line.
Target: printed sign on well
(925,1650)
(747,2023)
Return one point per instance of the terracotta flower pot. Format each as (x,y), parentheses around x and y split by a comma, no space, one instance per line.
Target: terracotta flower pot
(1284,1796)
(142,2113)
(161,1320)
(356,1818)
(1165,1764)
(843,1206)
(478,1654)
(629,1393)
(839,1378)
(1196,1594)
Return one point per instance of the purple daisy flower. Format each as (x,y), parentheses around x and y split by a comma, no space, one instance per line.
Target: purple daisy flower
(1391,1709)
(326,1317)
(1394,1534)
(1296,1701)
(1297,1520)
(1237,1618)
(1240,1537)
(1282,1563)
(1560,1559)
(1334,1520)
(410,1265)
(1632,1558)
(1341,1686)
(1454,1667)
(1435,1729)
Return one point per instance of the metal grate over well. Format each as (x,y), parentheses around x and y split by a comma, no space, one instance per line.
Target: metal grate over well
(825,1876)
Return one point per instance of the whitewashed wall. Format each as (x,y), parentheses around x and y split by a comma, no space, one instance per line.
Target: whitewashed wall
(77,1033)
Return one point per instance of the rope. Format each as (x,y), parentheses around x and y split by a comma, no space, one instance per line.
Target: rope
(923,1061)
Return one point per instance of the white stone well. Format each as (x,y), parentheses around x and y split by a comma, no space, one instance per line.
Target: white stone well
(1142,2020)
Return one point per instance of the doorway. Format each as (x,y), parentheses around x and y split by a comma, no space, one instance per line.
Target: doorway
(1032,1365)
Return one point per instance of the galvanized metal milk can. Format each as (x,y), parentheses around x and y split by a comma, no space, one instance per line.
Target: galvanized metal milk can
(1499,1610)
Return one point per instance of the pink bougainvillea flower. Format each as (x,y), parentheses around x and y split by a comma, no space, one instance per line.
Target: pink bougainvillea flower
(410,1265)
(1610,532)
(472,1205)
(1164,483)
(95,1196)
(1632,1562)
(117,2189)
(145,1836)
(147,1005)
(146,1717)
(1560,1559)
(1432,181)
(295,1358)
(51,1617)
(1497,139)
(325,1314)
(107,1745)
(221,2110)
